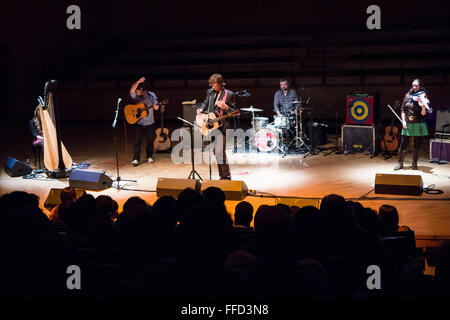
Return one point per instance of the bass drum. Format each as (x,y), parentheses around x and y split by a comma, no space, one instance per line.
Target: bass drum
(266,139)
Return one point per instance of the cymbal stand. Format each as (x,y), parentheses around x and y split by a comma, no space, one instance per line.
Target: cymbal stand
(299,133)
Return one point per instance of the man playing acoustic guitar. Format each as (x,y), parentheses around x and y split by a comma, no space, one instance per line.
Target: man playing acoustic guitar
(143,129)
(221,101)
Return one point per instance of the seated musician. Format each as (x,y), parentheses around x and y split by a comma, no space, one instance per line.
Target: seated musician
(36,130)
(284,98)
(221,101)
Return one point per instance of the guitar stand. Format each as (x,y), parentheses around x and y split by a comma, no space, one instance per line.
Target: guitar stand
(193,174)
(116,149)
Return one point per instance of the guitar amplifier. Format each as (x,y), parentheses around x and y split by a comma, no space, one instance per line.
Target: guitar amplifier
(358,138)
(190,111)
(442,135)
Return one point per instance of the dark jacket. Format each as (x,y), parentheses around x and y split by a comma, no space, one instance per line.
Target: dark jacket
(412,109)
(209,105)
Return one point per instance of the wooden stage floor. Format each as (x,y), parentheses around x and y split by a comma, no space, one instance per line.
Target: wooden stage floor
(293,179)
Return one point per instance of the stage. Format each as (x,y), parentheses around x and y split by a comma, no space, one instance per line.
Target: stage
(294,179)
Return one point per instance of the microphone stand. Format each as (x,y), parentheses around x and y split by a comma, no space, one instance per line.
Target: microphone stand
(116,149)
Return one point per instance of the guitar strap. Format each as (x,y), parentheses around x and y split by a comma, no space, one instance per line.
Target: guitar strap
(223,99)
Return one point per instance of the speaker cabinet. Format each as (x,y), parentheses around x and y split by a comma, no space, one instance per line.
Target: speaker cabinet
(358,138)
(404,184)
(233,189)
(89,180)
(54,197)
(173,187)
(15,168)
(189,112)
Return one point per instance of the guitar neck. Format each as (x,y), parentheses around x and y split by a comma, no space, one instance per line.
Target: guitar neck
(232,114)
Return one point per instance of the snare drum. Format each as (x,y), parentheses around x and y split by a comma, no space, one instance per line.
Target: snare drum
(281,121)
(266,139)
(261,122)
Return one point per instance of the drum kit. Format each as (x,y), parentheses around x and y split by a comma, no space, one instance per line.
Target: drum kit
(284,134)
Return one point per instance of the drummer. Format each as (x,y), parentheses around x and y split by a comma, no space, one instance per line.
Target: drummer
(283,100)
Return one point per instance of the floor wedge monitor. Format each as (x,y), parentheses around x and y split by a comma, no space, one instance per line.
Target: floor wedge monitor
(404,184)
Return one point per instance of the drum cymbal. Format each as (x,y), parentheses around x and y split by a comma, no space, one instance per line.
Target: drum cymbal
(251,109)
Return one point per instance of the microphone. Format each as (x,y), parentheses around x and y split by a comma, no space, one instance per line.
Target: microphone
(119,100)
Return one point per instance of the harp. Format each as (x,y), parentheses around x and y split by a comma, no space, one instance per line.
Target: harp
(57,160)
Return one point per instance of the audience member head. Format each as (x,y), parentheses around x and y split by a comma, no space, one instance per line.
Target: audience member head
(187,199)
(335,214)
(259,210)
(165,216)
(105,207)
(80,214)
(213,195)
(371,222)
(243,214)
(136,225)
(307,230)
(274,232)
(389,218)
(204,235)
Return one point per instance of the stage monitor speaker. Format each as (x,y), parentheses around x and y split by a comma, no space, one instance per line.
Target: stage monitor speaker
(233,189)
(358,138)
(15,168)
(173,187)
(89,180)
(404,184)
(54,197)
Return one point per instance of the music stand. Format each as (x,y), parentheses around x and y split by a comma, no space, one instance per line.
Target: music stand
(116,149)
(193,173)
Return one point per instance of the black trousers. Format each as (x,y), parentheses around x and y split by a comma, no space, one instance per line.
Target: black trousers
(143,133)
(221,156)
(405,142)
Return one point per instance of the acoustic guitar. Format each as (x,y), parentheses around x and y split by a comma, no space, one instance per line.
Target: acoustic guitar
(135,112)
(390,142)
(209,122)
(162,141)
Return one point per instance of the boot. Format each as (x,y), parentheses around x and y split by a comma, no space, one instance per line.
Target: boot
(401,156)
(415,158)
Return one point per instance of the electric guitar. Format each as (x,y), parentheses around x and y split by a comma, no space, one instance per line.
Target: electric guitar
(390,140)
(162,141)
(209,122)
(135,112)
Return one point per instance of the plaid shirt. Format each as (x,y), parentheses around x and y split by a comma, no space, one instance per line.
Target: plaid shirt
(283,103)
